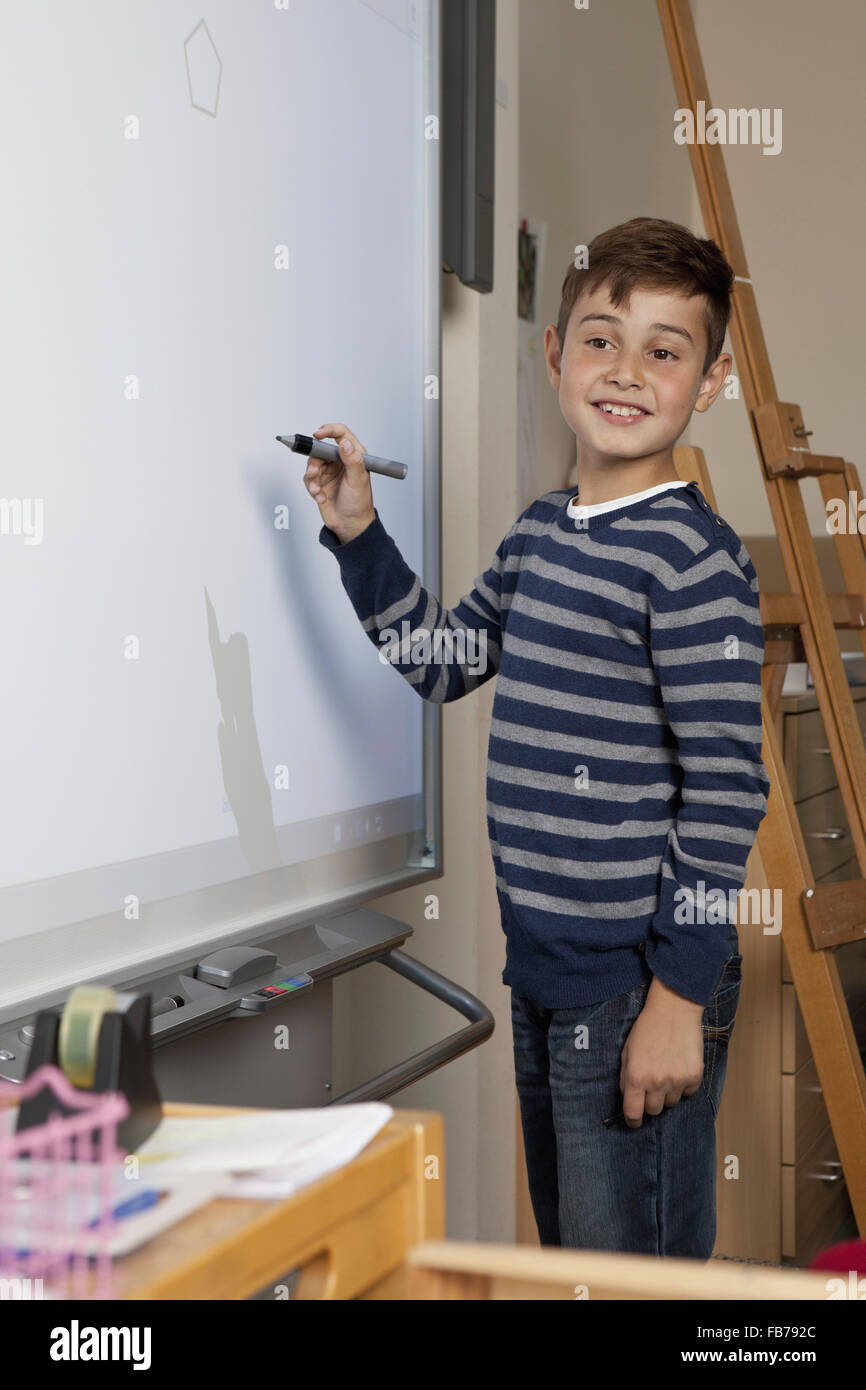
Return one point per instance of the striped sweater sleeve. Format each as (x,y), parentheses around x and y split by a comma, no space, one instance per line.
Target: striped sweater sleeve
(707,644)
(444,653)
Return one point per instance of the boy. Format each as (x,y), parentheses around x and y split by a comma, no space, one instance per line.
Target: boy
(625,782)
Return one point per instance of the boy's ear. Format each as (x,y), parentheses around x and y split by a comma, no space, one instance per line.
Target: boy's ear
(714,381)
(553,355)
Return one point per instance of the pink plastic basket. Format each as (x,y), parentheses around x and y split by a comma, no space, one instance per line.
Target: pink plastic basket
(53,1178)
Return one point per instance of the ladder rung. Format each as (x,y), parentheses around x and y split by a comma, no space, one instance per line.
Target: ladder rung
(782,437)
(788,610)
(781,652)
(803,465)
(836,912)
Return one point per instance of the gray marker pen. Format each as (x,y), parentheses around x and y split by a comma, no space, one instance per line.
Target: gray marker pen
(329,453)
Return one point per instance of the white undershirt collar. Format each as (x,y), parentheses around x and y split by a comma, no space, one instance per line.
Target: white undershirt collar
(596,508)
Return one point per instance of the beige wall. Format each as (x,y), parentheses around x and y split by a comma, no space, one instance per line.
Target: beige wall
(588,125)
(595,150)
(596,147)
(801,215)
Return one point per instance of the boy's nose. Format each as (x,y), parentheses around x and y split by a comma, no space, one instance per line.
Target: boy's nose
(625,371)
(625,374)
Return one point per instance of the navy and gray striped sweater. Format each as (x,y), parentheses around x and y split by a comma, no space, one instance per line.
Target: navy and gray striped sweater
(624,778)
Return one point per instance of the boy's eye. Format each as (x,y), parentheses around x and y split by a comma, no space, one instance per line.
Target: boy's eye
(667,355)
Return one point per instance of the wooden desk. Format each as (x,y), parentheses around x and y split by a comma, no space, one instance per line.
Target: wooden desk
(350,1231)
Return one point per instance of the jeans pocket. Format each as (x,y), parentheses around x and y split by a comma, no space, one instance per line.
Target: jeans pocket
(717,1025)
(639,993)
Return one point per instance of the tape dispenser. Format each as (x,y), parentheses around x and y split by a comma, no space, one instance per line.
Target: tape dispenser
(101,1042)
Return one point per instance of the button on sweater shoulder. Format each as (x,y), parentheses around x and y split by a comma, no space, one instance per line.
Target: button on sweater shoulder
(624,780)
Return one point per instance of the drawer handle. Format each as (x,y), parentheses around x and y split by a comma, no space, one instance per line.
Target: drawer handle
(822,750)
(829,1177)
(835,833)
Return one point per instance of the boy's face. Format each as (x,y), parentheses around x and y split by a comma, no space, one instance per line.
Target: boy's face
(647,354)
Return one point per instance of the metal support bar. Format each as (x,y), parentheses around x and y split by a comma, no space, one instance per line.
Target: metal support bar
(398,1077)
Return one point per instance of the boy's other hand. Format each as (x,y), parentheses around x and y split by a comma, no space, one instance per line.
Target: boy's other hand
(663,1058)
(342,490)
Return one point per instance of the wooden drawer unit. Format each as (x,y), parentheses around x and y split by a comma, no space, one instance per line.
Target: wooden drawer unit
(796,1051)
(808,762)
(795,1042)
(805,745)
(825,830)
(815,1201)
(804,1114)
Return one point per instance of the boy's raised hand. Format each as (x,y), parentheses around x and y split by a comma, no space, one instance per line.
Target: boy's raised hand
(342,490)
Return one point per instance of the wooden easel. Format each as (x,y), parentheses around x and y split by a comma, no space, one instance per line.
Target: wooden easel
(798,626)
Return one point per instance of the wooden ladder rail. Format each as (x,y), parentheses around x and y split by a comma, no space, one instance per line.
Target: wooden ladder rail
(815,917)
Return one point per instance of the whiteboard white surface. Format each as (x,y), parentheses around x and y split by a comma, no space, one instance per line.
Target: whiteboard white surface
(217,229)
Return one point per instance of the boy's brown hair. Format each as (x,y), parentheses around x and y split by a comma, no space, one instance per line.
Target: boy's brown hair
(654,254)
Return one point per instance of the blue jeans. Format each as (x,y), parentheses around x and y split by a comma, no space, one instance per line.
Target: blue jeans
(595,1182)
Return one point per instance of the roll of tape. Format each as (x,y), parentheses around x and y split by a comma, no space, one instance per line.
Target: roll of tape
(79,1032)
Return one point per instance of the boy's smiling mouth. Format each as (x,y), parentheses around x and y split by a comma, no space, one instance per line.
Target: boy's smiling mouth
(619,413)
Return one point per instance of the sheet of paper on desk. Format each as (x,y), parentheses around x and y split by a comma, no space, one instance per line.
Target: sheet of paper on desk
(269,1153)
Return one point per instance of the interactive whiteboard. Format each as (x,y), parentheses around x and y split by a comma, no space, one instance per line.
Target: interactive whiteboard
(220,224)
